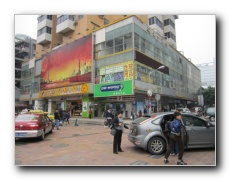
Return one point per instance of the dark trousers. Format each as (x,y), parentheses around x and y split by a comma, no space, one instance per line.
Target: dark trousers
(172,140)
(117,141)
(90,116)
(109,122)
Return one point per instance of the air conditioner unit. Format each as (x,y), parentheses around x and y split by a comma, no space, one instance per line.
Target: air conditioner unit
(149,30)
(75,22)
(101,16)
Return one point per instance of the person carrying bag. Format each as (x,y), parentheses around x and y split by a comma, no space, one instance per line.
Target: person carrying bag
(117,129)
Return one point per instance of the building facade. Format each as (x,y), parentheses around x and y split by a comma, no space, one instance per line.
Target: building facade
(101,61)
(208,74)
(24,50)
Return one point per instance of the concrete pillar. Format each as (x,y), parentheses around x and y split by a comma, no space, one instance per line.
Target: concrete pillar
(49,105)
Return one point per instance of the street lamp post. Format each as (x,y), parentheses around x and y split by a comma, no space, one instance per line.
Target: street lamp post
(149,92)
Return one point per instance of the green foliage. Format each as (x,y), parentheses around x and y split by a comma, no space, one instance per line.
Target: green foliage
(209,95)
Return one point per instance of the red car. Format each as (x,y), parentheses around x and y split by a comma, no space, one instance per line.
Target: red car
(32,125)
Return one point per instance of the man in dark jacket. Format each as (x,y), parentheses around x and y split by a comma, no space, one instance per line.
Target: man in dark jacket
(56,117)
(118,124)
(175,137)
(109,116)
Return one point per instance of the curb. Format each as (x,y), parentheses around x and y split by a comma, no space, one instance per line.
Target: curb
(93,121)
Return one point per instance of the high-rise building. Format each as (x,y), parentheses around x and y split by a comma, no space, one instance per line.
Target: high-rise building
(101,61)
(164,25)
(208,74)
(24,50)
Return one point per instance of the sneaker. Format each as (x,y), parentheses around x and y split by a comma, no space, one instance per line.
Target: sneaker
(173,154)
(166,161)
(181,163)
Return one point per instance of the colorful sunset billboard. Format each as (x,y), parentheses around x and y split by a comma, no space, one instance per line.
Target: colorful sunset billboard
(67,65)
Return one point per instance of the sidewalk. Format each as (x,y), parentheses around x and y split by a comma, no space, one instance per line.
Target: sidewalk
(94,120)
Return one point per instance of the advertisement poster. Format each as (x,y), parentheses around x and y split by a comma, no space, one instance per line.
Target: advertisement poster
(140,106)
(84,106)
(67,65)
(116,72)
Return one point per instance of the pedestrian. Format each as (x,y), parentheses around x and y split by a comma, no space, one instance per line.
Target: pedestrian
(175,137)
(67,117)
(56,117)
(60,116)
(140,113)
(90,113)
(145,110)
(175,150)
(109,117)
(118,124)
(132,115)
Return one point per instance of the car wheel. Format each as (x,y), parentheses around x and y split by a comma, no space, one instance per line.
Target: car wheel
(156,146)
(42,137)
(212,118)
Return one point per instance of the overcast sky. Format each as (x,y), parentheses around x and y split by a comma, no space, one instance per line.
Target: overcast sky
(195,35)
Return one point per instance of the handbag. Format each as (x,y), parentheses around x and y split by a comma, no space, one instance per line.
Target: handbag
(113,131)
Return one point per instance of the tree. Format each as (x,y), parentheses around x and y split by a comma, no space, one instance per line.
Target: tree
(209,96)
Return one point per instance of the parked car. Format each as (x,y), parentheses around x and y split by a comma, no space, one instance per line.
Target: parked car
(150,133)
(210,114)
(197,111)
(32,125)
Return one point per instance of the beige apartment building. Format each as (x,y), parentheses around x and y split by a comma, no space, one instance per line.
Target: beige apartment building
(58,30)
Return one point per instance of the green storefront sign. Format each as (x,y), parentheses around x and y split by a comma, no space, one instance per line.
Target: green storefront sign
(118,88)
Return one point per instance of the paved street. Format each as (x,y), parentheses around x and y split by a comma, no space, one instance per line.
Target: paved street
(90,144)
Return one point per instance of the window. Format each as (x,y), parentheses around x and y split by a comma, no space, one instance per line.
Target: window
(159,23)
(166,22)
(170,35)
(169,22)
(49,17)
(106,21)
(151,20)
(41,18)
(80,17)
(44,30)
(193,121)
(109,44)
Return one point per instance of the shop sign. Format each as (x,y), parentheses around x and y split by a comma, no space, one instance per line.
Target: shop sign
(113,89)
(77,89)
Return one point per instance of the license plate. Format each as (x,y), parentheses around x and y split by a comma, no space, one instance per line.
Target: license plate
(20,134)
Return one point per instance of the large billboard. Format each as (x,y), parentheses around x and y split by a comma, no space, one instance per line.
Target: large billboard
(67,65)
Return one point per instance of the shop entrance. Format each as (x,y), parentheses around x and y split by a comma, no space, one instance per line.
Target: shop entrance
(74,107)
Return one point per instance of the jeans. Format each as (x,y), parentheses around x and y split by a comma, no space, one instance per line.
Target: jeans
(175,149)
(57,123)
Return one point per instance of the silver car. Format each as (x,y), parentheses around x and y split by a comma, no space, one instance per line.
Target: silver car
(150,132)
